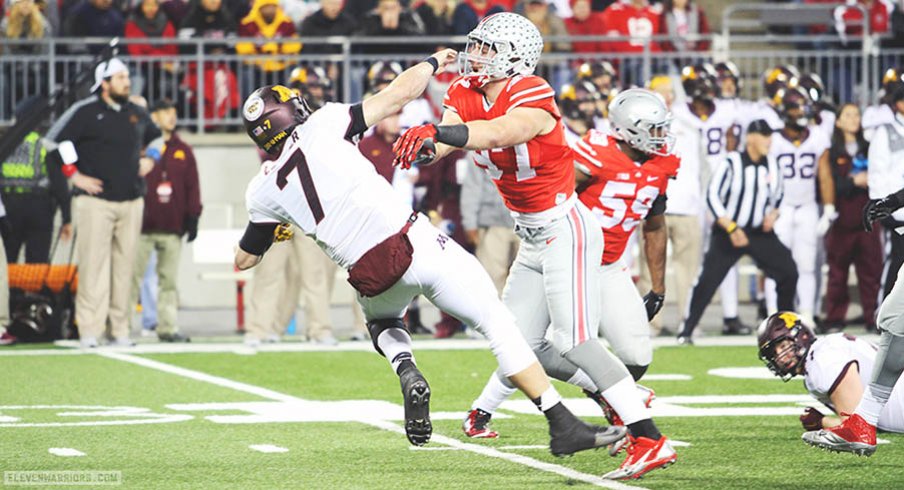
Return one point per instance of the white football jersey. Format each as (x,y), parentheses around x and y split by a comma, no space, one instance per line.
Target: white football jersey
(827,359)
(713,128)
(761,109)
(875,116)
(799,164)
(684,193)
(323,185)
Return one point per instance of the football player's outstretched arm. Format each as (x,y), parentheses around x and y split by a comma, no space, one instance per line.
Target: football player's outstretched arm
(409,85)
(655,238)
(257,239)
(520,125)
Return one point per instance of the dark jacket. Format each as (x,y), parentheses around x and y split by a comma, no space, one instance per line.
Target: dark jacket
(849,199)
(108,142)
(466,16)
(178,167)
(318,25)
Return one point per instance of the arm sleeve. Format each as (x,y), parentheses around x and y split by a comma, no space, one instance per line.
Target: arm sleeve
(658,206)
(720,180)
(257,238)
(356,123)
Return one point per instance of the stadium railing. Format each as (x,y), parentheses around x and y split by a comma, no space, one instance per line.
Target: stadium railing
(209,87)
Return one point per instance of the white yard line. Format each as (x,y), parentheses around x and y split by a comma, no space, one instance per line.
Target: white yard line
(268,448)
(385,425)
(66,452)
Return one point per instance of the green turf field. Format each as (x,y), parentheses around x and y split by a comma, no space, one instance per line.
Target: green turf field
(188,420)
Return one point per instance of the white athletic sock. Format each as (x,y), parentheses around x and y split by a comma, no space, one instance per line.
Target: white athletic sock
(494,393)
(806,292)
(728,293)
(396,346)
(623,398)
(874,399)
(549,399)
(581,380)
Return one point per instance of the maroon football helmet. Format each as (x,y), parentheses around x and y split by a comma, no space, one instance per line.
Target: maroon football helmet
(784,359)
(794,106)
(779,77)
(271,113)
(699,81)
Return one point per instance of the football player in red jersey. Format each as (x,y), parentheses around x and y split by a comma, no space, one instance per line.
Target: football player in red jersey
(623,179)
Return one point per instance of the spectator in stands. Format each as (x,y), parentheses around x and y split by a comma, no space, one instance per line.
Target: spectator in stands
(470,12)
(176,10)
(585,22)
(93,18)
(846,242)
(330,20)
(390,18)
(23,78)
(637,20)
(681,20)
(268,23)
(357,9)
(148,21)
(172,207)
(31,190)
(848,18)
(208,19)
(436,16)
(101,141)
(549,24)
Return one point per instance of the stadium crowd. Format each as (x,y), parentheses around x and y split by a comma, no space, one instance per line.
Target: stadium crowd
(843,145)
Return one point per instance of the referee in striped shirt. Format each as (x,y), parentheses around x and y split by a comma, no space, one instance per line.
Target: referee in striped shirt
(744,195)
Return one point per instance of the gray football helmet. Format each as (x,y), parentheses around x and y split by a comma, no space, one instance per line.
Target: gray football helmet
(640,118)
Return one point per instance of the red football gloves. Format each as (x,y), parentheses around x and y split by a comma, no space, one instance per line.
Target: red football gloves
(416,145)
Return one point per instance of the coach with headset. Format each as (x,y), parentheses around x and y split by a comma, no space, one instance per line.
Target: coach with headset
(101,141)
(744,196)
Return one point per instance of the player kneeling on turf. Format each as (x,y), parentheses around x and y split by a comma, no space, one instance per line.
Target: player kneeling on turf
(836,368)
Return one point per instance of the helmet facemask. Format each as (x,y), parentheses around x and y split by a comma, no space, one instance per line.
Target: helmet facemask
(489,57)
(773,352)
(650,138)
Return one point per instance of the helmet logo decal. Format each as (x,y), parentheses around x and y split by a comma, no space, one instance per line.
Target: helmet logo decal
(789,318)
(254,107)
(283,93)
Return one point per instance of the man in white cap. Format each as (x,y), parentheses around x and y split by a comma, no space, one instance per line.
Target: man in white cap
(105,144)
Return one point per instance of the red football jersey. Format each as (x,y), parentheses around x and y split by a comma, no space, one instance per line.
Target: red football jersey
(620,191)
(531,177)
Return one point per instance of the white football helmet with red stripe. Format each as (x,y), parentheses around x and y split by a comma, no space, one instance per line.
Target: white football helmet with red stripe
(501,46)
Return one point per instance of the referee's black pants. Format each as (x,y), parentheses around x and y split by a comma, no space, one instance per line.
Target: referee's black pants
(773,258)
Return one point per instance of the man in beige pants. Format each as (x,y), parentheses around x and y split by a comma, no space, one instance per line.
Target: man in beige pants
(488,225)
(101,141)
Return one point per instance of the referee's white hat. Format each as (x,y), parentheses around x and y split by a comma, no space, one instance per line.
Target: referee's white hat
(107,69)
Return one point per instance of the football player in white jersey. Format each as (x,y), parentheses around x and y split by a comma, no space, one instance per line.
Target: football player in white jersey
(801,150)
(715,119)
(321,184)
(774,79)
(837,369)
(883,112)
(823,108)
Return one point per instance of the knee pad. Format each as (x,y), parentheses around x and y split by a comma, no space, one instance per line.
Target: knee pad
(637,372)
(376,327)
